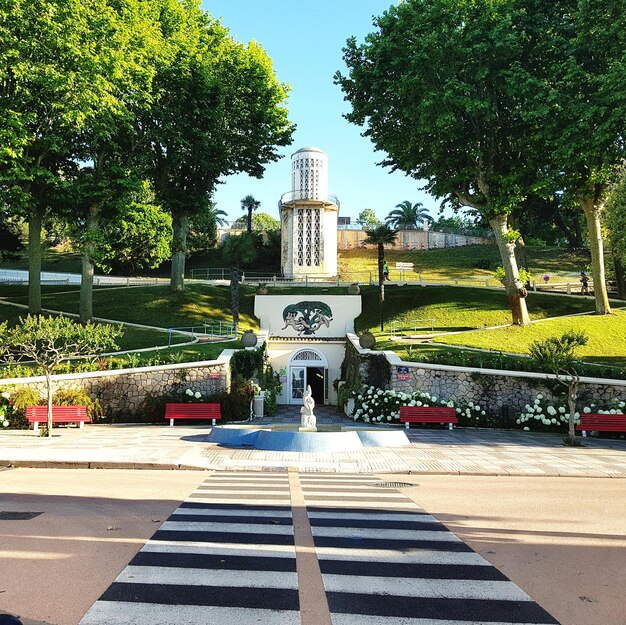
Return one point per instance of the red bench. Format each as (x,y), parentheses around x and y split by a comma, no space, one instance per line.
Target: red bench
(60,414)
(601,423)
(192,411)
(428,414)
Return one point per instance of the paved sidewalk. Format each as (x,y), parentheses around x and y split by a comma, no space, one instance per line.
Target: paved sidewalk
(460,452)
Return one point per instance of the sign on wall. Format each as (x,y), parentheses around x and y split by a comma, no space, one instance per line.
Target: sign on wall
(403,373)
(307,317)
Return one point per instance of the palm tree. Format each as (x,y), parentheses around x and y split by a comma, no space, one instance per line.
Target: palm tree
(380,236)
(238,248)
(249,204)
(217,214)
(407,216)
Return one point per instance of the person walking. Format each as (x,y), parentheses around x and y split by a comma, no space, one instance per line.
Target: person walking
(584,283)
(385,270)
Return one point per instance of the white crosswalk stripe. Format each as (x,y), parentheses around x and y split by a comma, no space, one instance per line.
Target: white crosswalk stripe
(227,555)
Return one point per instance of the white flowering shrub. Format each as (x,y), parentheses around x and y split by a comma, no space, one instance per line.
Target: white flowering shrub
(374,405)
(192,396)
(5,409)
(545,416)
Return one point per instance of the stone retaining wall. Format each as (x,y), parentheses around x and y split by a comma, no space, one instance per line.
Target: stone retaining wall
(495,389)
(124,391)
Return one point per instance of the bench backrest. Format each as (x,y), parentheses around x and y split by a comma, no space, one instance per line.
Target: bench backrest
(210,411)
(41,412)
(592,418)
(428,412)
(404,265)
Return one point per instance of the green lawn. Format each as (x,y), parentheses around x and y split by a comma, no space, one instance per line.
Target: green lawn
(456,308)
(133,338)
(607,337)
(158,306)
(462,263)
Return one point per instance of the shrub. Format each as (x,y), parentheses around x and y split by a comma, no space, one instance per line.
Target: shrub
(374,405)
(15,404)
(79,397)
(545,416)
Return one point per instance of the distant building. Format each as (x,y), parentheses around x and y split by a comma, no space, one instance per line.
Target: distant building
(343,221)
(308,216)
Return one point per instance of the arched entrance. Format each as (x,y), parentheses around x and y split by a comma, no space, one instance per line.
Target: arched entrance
(308,367)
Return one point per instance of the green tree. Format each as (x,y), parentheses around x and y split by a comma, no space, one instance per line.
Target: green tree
(10,244)
(238,250)
(615,224)
(48,341)
(260,222)
(380,236)
(203,227)
(584,133)
(367,219)
(60,64)
(218,109)
(442,89)
(249,204)
(139,238)
(407,216)
(556,355)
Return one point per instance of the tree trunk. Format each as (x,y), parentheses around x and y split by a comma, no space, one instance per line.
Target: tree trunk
(35,221)
(572,395)
(620,278)
(180,225)
(381,283)
(234,295)
(249,230)
(515,289)
(592,213)
(49,391)
(86,280)
(573,235)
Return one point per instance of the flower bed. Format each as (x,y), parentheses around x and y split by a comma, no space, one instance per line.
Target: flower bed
(545,416)
(375,405)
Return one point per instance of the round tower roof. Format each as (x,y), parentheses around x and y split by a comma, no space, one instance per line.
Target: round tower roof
(308,149)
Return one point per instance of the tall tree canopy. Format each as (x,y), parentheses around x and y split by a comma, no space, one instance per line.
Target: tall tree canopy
(60,63)
(408,216)
(439,86)
(615,223)
(218,109)
(584,135)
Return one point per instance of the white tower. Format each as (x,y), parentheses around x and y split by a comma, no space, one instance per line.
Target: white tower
(308,216)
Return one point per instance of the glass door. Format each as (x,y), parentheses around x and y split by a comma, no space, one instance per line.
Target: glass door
(298,380)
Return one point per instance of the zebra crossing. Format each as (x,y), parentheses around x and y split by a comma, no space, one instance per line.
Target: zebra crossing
(394,564)
(228,554)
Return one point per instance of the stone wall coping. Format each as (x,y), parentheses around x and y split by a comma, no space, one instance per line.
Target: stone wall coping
(395,361)
(223,359)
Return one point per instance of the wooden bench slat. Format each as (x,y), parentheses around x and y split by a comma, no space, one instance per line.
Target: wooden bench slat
(428,414)
(601,422)
(192,411)
(60,414)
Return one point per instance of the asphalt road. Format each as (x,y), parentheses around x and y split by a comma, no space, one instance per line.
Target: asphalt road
(560,540)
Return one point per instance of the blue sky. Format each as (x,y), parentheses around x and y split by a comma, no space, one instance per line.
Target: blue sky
(304,40)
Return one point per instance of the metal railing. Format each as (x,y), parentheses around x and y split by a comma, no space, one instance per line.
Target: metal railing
(211,329)
(400,328)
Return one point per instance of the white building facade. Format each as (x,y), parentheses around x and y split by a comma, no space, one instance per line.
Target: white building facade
(307,341)
(308,216)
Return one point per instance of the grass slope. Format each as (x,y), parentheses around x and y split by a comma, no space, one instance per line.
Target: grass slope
(607,337)
(157,305)
(462,262)
(456,308)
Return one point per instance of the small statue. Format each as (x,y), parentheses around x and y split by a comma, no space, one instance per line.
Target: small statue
(308,421)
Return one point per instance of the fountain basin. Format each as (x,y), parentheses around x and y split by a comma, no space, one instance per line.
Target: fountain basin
(289,438)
